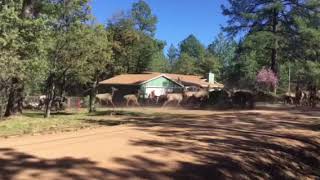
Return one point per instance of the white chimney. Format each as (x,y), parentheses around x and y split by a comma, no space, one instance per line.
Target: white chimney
(211,78)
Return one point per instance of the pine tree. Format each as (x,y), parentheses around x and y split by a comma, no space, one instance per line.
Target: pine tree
(143,18)
(275,22)
(192,46)
(172,55)
(134,46)
(186,64)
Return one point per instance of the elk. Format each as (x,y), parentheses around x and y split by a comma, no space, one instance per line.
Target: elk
(243,98)
(312,96)
(288,98)
(188,95)
(202,94)
(42,101)
(132,98)
(177,97)
(153,98)
(57,102)
(106,97)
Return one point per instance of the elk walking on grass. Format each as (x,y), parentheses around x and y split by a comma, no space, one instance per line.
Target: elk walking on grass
(131,98)
(107,97)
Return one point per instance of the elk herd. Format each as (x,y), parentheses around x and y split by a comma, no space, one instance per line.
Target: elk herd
(309,97)
(168,98)
(186,98)
(58,103)
(229,98)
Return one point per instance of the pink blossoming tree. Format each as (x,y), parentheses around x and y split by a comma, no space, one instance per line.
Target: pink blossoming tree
(267,77)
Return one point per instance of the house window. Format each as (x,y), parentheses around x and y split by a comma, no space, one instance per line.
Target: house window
(165,84)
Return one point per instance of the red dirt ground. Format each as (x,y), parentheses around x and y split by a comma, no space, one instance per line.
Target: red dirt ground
(174,144)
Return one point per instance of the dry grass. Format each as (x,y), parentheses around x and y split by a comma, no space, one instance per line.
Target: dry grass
(34,123)
(31,122)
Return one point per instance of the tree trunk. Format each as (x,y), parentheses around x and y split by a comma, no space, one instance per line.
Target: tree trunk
(63,87)
(28,9)
(10,110)
(50,96)
(15,100)
(49,101)
(274,51)
(274,61)
(92,97)
(48,108)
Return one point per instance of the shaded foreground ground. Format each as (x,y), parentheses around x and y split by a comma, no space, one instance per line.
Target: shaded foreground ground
(173,144)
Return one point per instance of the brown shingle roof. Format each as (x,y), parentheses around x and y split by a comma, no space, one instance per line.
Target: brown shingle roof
(130,79)
(136,79)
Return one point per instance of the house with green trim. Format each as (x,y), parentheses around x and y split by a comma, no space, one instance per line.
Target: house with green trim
(159,83)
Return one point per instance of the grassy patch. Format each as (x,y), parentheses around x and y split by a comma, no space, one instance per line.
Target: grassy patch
(34,123)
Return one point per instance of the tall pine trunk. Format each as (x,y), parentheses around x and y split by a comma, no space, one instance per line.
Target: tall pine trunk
(92,97)
(274,50)
(274,53)
(15,100)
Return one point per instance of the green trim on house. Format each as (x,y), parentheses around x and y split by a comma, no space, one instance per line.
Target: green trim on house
(160,82)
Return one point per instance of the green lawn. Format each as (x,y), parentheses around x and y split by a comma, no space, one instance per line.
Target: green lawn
(34,123)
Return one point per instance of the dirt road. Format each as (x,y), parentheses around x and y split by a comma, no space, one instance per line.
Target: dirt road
(174,144)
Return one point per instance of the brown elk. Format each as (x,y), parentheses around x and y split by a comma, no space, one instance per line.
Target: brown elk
(153,98)
(188,95)
(132,98)
(288,98)
(243,98)
(174,97)
(199,96)
(59,103)
(202,94)
(107,97)
(305,98)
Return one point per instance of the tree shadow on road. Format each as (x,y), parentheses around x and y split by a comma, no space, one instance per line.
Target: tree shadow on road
(231,145)
(238,145)
(13,163)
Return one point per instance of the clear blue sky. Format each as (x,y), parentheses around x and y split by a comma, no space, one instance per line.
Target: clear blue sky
(176,18)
